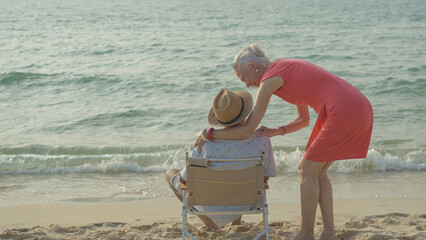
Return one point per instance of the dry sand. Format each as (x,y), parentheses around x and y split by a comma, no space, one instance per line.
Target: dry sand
(161,219)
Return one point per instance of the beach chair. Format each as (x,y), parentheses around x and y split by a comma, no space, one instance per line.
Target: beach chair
(206,186)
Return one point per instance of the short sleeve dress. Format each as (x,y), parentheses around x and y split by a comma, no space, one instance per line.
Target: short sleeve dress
(345,122)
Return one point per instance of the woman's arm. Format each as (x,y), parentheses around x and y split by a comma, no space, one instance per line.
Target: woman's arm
(301,121)
(263,96)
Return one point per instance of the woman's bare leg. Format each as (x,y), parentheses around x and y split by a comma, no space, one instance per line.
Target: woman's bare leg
(326,205)
(309,196)
(169,175)
(206,220)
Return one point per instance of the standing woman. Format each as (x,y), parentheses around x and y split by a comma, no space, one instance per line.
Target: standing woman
(342,130)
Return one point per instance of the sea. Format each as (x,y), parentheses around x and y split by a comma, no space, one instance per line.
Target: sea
(98,99)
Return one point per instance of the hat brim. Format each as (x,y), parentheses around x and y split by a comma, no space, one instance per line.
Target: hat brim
(248,105)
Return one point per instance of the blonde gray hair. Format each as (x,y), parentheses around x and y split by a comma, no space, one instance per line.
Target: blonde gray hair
(254,52)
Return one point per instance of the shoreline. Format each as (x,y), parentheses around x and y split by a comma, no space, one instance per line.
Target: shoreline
(161,219)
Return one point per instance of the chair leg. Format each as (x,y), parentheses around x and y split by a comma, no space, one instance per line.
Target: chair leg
(265,220)
(185,218)
(265,216)
(184,215)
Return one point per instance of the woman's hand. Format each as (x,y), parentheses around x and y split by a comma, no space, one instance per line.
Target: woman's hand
(265,131)
(199,142)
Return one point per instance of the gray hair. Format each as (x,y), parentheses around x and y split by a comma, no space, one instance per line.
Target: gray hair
(254,52)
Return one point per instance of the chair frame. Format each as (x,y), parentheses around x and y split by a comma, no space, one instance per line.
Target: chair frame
(261,207)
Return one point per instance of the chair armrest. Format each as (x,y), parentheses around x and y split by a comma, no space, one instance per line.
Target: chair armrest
(198,161)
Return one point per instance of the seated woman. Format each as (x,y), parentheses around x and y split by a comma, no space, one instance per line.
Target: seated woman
(229,109)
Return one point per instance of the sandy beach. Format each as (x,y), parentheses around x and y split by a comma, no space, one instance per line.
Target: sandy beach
(379,218)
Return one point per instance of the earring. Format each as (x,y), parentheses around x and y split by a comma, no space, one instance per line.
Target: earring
(257,70)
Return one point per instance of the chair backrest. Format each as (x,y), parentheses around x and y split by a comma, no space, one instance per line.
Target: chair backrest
(208,186)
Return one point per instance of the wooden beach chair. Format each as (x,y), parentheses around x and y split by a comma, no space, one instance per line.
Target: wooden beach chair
(207,186)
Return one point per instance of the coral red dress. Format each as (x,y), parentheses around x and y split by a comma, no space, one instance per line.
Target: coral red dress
(345,122)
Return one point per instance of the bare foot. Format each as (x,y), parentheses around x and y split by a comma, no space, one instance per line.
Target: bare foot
(303,236)
(212,226)
(328,235)
(242,223)
(238,221)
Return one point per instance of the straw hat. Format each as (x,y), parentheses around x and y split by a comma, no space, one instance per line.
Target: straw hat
(230,108)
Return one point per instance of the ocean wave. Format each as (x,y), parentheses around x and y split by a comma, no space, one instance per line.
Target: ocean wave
(77,150)
(376,160)
(417,69)
(115,118)
(104,164)
(41,80)
(107,160)
(394,86)
(17,77)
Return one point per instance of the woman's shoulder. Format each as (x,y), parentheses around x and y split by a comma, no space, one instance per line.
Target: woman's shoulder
(287,61)
(283,66)
(279,66)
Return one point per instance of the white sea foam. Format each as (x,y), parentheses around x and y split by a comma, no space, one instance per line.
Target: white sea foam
(287,161)
(375,161)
